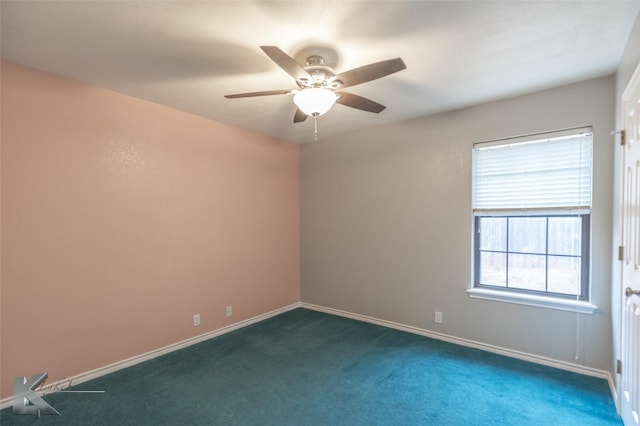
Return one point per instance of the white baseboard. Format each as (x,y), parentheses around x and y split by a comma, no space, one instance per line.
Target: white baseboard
(111,368)
(563,365)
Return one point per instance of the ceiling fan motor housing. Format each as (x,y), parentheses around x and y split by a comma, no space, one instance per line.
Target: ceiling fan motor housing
(321,75)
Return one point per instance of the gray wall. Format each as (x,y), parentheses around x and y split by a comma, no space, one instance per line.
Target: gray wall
(386,223)
(630,60)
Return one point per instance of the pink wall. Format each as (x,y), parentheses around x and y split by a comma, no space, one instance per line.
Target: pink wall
(122,218)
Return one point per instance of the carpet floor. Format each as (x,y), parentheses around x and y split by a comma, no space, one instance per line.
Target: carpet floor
(309,368)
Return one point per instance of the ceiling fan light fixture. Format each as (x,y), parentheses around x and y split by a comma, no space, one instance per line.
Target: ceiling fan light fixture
(315,101)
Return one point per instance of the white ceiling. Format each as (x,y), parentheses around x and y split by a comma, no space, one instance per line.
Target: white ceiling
(188,54)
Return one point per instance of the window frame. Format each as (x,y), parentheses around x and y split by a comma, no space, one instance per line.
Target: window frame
(585,258)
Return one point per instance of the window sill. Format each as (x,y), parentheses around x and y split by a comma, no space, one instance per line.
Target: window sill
(532,300)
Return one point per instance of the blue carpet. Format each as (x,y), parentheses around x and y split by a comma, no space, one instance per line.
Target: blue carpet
(309,368)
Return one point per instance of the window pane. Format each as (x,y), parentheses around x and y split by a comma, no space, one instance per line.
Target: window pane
(528,234)
(534,253)
(564,275)
(527,272)
(565,235)
(493,233)
(493,269)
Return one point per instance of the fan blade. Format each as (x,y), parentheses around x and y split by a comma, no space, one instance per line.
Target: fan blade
(265,93)
(358,102)
(300,116)
(287,63)
(370,72)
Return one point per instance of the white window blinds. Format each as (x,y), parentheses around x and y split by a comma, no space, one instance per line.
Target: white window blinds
(549,171)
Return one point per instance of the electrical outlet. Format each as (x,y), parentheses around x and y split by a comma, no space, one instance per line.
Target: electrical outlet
(229,311)
(438,318)
(196,320)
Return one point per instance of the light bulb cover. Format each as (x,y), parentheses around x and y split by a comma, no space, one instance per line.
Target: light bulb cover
(315,100)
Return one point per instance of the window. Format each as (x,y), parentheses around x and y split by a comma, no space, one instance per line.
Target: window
(533,253)
(532,209)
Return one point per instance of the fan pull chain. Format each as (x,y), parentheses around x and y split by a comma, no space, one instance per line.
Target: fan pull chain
(315,128)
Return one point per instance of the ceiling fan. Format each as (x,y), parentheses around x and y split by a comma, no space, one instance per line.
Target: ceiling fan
(319,87)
